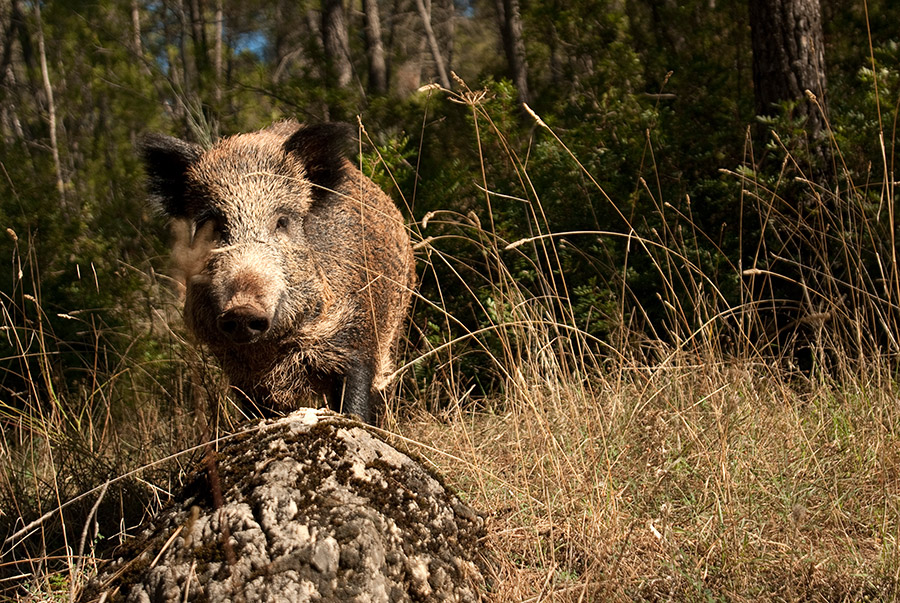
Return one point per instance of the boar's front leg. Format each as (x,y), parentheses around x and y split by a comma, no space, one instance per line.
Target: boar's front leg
(353,394)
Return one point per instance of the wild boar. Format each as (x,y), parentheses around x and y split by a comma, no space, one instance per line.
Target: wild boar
(301,268)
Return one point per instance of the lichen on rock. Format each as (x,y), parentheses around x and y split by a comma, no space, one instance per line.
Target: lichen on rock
(312,507)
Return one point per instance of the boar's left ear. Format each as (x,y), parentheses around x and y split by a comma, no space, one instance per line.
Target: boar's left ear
(322,148)
(167,160)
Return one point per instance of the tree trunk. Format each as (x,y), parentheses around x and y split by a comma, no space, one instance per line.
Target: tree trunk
(394,21)
(9,35)
(188,67)
(510,22)
(335,42)
(201,47)
(433,45)
(13,62)
(556,55)
(445,29)
(51,106)
(378,83)
(136,28)
(220,26)
(788,57)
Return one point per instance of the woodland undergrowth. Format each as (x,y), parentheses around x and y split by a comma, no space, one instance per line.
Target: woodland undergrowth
(734,437)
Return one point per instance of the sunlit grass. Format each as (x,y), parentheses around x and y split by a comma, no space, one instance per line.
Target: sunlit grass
(698,463)
(685,468)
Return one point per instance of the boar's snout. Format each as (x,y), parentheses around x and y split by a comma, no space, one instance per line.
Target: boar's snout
(243,324)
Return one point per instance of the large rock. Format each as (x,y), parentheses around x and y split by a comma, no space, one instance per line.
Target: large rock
(311,507)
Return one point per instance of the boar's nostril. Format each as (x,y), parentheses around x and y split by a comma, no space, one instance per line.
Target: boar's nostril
(243,324)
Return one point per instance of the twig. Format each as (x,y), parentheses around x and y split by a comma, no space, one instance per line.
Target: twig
(84,534)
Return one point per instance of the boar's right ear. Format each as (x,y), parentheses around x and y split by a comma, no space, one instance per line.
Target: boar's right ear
(322,149)
(167,160)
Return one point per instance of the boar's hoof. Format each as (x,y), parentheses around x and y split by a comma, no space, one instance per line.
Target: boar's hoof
(243,324)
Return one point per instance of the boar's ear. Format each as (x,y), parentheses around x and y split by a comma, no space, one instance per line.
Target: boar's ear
(322,149)
(167,160)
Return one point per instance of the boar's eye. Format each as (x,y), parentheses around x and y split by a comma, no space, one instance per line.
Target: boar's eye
(283,223)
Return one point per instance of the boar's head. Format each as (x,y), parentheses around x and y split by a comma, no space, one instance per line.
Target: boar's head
(246,198)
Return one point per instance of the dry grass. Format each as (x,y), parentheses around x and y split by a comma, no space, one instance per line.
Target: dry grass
(692,469)
(673,469)
(85,455)
(690,481)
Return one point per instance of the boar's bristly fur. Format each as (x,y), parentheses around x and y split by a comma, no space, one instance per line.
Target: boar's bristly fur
(300,268)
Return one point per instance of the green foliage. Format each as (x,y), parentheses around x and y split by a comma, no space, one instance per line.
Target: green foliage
(656,101)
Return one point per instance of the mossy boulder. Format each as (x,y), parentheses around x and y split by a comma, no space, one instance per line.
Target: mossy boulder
(311,507)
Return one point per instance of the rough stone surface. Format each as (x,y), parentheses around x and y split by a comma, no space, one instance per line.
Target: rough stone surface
(313,507)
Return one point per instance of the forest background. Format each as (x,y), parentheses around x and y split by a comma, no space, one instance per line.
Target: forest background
(646,183)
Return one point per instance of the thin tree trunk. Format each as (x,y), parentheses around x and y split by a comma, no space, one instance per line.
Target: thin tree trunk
(556,63)
(788,57)
(198,31)
(375,49)
(335,41)
(9,36)
(433,45)
(220,26)
(136,28)
(51,106)
(11,123)
(510,22)
(188,66)
(314,25)
(391,37)
(446,29)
